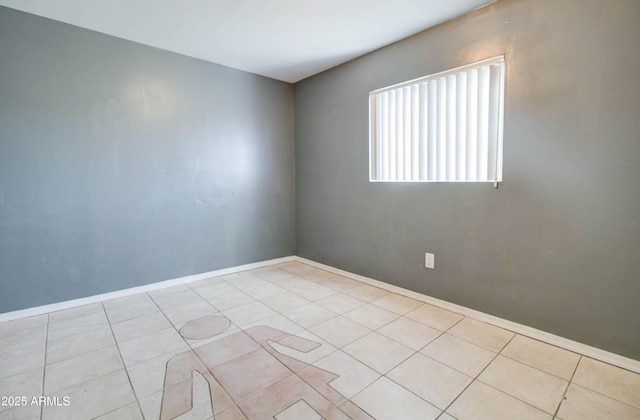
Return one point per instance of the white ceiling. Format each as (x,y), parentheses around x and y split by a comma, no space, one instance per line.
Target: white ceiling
(287,40)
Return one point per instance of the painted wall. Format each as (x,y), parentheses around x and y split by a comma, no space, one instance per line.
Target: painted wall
(122,165)
(557,246)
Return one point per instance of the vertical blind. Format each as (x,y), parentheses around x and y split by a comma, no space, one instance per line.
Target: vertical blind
(440,128)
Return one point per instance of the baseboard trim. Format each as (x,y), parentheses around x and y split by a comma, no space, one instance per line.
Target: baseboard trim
(574,346)
(53,307)
(565,343)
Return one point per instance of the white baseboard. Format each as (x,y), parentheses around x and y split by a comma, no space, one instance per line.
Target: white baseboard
(574,346)
(39,310)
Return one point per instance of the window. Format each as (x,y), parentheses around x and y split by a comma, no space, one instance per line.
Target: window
(446,127)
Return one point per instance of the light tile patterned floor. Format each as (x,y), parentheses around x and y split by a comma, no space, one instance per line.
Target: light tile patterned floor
(292,342)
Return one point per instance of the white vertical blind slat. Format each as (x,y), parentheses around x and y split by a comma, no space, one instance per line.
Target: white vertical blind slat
(494,102)
(472,124)
(422,129)
(392,136)
(415,132)
(408,142)
(450,82)
(432,136)
(374,140)
(442,130)
(384,99)
(399,135)
(483,122)
(500,124)
(461,126)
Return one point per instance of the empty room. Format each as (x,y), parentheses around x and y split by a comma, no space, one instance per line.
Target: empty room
(412,209)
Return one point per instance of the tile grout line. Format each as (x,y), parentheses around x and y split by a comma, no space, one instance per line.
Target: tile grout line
(441,333)
(532,367)
(73,335)
(303,329)
(135,395)
(537,368)
(165,364)
(192,349)
(456,323)
(44,368)
(502,349)
(515,398)
(414,352)
(309,301)
(564,394)
(171,326)
(474,379)
(262,348)
(384,375)
(395,341)
(188,344)
(598,392)
(367,386)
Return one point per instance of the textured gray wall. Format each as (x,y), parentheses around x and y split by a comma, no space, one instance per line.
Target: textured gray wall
(557,246)
(122,165)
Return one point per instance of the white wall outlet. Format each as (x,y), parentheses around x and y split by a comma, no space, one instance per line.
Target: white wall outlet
(429,260)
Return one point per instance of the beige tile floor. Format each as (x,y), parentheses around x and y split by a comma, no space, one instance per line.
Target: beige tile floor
(292,342)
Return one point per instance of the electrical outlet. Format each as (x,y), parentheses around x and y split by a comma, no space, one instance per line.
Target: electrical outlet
(429,260)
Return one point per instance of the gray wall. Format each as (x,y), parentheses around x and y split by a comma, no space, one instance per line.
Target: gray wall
(122,165)
(557,246)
